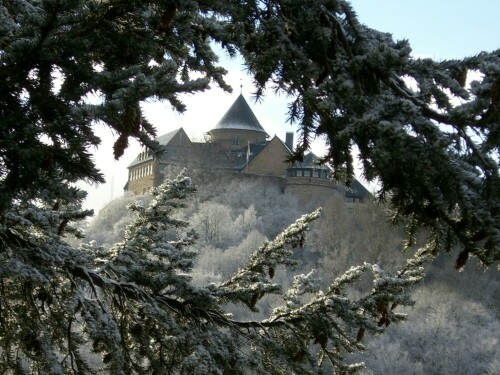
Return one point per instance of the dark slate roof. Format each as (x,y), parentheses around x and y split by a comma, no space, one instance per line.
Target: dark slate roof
(212,156)
(162,140)
(166,138)
(310,161)
(357,190)
(240,116)
(141,158)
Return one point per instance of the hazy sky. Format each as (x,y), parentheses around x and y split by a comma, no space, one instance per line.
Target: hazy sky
(440,29)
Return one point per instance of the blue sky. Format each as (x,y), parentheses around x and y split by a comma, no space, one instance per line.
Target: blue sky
(439,29)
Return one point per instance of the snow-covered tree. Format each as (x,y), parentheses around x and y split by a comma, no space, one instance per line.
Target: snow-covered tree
(425,131)
(135,307)
(109,226)
(436,158)
(448,307)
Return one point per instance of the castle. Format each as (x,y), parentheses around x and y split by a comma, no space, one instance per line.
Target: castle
(239,144)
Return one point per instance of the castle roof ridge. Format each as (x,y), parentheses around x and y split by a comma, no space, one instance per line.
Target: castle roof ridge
(239,116)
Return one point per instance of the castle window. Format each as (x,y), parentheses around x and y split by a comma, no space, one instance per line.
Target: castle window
(236,140)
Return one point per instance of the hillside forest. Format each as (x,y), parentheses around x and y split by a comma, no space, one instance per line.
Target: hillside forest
(453,326)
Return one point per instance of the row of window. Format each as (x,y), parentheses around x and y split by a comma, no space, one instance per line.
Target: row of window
(316,173)
(145,170)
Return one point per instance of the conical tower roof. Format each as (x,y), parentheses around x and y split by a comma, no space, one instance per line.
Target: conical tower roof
(240,116)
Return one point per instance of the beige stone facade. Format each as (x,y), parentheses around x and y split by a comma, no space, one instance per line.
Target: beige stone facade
(271,161)
(231,140)
(141,178)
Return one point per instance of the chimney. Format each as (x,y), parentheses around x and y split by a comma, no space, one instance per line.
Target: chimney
(289,140)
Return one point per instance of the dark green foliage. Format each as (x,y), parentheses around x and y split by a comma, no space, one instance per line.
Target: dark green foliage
(437,161)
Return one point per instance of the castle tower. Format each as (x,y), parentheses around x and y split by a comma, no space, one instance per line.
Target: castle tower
(238,127)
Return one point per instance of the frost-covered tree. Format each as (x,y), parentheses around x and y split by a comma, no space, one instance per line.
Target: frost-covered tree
(436,158)
(448,308)
(109,226)
(214,223)
(426,133)
(135,307)
(451,335)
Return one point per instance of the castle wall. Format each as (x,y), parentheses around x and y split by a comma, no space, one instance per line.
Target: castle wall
(226,137)
(313,191)
(270,161)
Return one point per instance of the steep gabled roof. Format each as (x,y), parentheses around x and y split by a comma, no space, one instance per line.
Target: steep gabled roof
(166,138)
(254,151)
(163,140)
(240,116)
